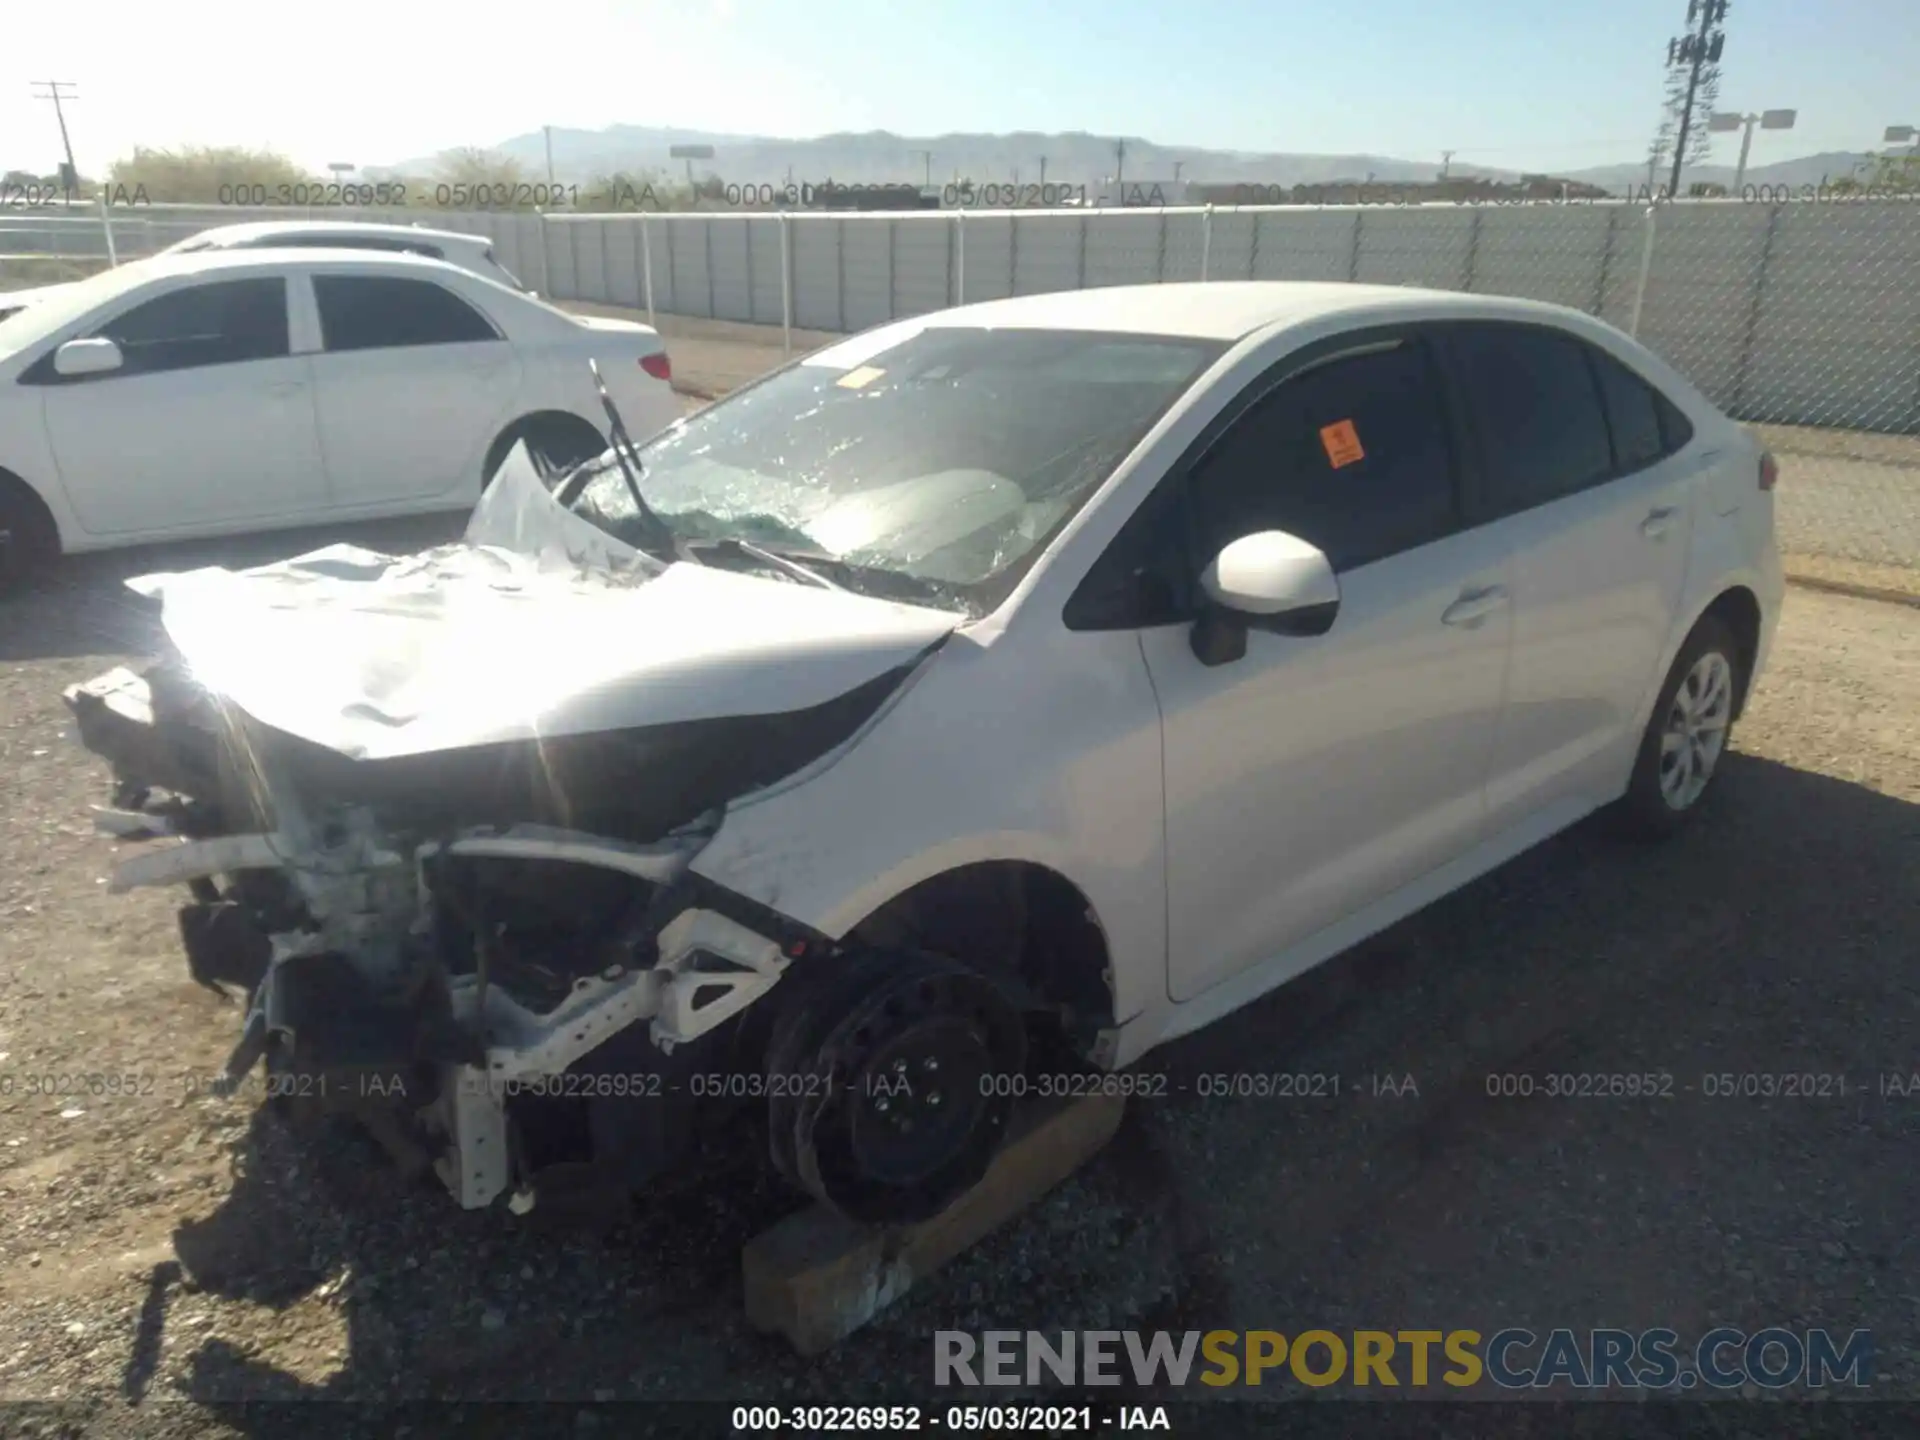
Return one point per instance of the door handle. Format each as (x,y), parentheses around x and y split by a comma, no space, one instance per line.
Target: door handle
(1473,606)
(1658,521)
(287,387)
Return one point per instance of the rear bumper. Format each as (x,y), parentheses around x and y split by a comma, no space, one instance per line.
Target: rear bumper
(1772,595)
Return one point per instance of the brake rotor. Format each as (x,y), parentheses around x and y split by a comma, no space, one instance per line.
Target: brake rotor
(896,1093)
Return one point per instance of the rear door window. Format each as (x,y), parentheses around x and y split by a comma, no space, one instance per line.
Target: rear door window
(1633,414)
(1536,404)
(383,312)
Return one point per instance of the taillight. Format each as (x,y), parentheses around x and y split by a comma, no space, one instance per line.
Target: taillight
(1769,470)
(657,365)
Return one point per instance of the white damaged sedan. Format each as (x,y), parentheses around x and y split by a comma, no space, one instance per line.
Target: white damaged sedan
(1023,685)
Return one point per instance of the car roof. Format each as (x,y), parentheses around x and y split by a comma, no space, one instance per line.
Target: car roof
(254,230)
(1222,309)
(196,262)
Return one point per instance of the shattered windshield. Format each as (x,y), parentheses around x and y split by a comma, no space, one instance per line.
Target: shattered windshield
(916,461)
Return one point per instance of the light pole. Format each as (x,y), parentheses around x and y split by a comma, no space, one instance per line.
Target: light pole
(1909,136)
(1720,124)
(927,156)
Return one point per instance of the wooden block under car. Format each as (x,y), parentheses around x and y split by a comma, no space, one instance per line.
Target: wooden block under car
(816,1277)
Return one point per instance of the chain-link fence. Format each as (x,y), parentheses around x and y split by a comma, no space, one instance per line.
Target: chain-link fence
(1800,318)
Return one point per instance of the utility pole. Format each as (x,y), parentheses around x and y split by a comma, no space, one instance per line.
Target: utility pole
(1043,170)
(57,90)
(1446,163)
(1119,162)
(1699,48)
(927,156)
(549,130)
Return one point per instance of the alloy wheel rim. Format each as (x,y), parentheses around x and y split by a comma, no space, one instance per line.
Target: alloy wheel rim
(1695,734)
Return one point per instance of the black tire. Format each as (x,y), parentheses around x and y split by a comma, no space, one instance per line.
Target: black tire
(556,442)
(29,540)
(1650,810)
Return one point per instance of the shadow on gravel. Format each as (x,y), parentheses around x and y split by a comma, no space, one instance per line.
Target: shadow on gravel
(1772,940)
(84,608)
(1776,934)
(431,1302)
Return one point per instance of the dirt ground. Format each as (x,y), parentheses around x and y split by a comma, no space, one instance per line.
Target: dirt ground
(164,1254)
(711,357)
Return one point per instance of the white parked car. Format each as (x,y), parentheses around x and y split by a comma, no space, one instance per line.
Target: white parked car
(469,252)
(1014,687)
(240,390)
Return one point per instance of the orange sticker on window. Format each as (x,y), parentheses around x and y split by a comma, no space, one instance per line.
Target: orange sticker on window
(861,378)
(1342,443)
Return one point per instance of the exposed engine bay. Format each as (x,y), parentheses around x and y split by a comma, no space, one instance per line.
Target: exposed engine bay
(465,915)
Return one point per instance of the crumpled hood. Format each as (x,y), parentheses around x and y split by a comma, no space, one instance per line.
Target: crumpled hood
(535,625)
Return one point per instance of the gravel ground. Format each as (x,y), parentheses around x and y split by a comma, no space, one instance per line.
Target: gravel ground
(163,1246)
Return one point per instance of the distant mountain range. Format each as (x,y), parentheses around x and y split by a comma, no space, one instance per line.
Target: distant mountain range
(1073,158)
(1829,166)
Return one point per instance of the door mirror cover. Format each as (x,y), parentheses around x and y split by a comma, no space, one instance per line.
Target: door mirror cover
(1270,575)
(1270,581)
(87,357)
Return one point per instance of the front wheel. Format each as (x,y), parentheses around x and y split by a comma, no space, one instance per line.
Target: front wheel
(1687,734)
(29,541)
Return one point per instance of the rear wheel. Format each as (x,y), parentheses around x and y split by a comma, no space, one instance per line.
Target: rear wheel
(556,444)
(1687,734)
(29,540)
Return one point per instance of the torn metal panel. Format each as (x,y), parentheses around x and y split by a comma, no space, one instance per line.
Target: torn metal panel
(475,1165)
(660,863)
(693,937)
(198,859)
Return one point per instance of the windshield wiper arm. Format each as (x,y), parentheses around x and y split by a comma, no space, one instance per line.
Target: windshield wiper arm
(661,542)
(765,556)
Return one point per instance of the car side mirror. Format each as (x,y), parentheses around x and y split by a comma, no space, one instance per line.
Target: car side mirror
(87,357)
(1269,581)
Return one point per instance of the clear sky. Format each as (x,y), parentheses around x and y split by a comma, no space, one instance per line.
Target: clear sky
(1517,84)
